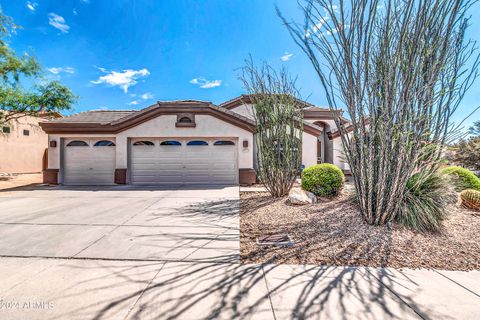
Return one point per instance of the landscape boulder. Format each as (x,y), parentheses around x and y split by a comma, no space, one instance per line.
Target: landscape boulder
(300,196)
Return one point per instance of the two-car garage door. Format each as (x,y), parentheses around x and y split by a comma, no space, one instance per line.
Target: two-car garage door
(183,161)
(152,161)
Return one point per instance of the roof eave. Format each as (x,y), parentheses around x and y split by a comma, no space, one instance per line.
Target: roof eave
(145,115)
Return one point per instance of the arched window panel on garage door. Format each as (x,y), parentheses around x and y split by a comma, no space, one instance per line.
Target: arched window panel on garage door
(170,143)
(77,143)
(143,143)
(104,143)
(224,143)
(197,143)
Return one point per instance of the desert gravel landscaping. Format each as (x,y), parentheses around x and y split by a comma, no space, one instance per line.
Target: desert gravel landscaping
(333,233)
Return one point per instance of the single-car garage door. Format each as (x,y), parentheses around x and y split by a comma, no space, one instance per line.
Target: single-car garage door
(89,162)
(183,161)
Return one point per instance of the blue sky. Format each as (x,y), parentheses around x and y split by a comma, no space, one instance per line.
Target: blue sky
(126,54)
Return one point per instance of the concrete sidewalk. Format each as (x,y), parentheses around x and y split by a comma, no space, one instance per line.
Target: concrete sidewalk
(36,288)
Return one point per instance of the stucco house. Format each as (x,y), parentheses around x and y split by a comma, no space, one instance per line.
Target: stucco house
(23,144)
(173,142)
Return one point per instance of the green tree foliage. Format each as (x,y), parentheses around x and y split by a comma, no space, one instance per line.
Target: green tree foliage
(475,129)
(466,153)
(16,101)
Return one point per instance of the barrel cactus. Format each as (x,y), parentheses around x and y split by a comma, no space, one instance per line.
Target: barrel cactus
(471,199)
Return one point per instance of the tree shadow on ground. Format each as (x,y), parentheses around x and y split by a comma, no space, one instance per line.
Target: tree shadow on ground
(185,290)
(220,287)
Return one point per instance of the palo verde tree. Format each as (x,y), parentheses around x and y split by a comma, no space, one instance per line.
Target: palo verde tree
(279,125)
(466,152)
(44,97)
(474,130)
(400,68)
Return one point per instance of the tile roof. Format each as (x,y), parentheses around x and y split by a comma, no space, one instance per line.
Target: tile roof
(96,116)
(247,98)
(114,116)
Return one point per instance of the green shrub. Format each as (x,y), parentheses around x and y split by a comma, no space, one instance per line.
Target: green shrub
(424,203)
(323,179)
(463,178)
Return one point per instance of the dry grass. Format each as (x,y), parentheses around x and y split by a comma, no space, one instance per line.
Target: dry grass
(333,233)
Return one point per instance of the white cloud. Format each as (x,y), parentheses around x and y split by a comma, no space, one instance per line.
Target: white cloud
(32,6)
(57,70)
(206,84)
(74,11)
(123,79)
(101,69)
(321,22)
(58,22)
(334,8)
(147,96)
(287,56)
(133,103)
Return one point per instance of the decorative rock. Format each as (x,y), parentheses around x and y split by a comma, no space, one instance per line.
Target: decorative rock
(300,196)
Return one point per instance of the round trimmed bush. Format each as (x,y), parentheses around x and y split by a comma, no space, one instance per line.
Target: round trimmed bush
(463,178)
(324,179)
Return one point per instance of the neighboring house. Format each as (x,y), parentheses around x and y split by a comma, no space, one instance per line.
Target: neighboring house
(172,142)
(23,145)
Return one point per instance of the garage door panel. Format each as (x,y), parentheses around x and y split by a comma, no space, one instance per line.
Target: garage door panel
(146,166)
(205,165)
(184,164)
(88,165)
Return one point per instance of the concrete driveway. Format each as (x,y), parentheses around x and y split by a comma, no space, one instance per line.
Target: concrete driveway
(139,253)
(178,223)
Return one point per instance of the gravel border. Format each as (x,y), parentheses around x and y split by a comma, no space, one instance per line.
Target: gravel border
(333,233)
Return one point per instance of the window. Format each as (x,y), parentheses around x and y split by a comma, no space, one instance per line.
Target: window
(197,143)
(143,143)
(170,143)
(185,120)
(26,132)
(77,143)
(224,143)
(6,129)
(104,143)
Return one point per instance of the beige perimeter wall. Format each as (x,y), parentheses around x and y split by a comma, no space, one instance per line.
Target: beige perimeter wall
(20,153)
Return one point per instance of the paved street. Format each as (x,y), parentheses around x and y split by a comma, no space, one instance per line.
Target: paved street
(150,253)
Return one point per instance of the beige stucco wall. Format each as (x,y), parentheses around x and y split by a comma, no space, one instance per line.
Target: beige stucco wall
(245,110)
(338,154)
(309,148)
(164,126)
(21,153)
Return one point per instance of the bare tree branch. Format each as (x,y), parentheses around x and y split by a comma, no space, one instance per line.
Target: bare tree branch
(399,67)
